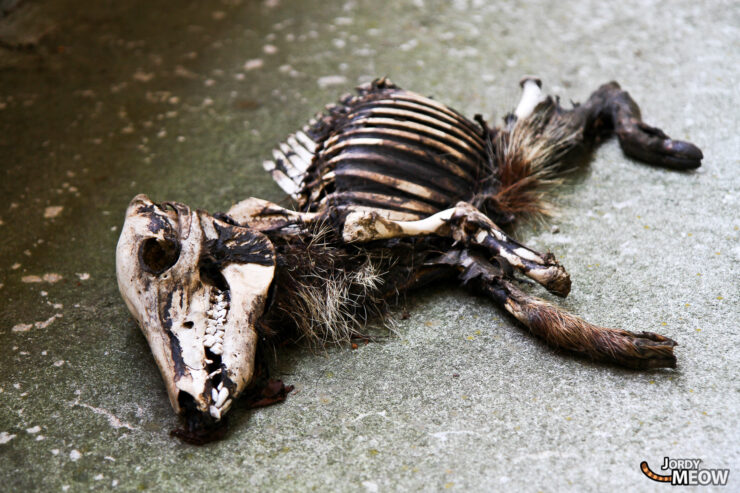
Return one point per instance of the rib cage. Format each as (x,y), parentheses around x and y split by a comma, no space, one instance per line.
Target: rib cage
(393,151)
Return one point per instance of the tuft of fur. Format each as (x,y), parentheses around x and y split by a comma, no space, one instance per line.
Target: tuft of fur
(327,291)
(530,159)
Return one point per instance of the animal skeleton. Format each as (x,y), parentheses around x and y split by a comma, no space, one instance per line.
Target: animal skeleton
(394,191)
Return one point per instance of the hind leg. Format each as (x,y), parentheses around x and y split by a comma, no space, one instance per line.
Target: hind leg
(641,351)
(612,110)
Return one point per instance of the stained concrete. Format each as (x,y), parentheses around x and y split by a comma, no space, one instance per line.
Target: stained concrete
(103,100)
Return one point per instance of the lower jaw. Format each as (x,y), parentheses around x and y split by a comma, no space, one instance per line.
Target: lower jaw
(200,428)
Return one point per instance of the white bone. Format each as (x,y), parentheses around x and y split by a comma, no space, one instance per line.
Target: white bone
(255,212)
(223,394)
(304,139)
(368,226)
(531,96)
(283,159)
(295,159)
(305,155)
(288,185)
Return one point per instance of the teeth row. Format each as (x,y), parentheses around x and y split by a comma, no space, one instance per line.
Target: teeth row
(215,324)
(215,341)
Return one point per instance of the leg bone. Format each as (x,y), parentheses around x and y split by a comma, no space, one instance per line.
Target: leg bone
(261,214)
(468,225)
(531,97)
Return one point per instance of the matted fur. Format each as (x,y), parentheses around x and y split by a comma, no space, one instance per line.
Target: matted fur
(530,159)
(327,292)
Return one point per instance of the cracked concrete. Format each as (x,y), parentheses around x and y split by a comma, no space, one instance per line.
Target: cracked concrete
(105,100)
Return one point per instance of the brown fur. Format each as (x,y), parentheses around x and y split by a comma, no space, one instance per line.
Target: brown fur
(561,329)
(530,159)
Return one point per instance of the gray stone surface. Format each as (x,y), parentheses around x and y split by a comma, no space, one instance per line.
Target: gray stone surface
(182,101)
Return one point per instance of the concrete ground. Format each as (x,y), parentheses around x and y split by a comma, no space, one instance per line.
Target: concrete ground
(100,101)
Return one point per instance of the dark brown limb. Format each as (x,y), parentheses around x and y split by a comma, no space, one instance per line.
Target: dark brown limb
(612,109)
(640,351)
(559,328)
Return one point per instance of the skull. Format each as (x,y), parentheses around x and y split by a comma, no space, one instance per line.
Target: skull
(196,284)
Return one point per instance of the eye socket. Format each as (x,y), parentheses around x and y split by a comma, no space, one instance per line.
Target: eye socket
(156,256)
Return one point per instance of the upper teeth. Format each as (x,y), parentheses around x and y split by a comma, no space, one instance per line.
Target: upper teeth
(215,324)
(214,340)
(223,394)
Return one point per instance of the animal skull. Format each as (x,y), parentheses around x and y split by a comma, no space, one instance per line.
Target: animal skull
(196,284)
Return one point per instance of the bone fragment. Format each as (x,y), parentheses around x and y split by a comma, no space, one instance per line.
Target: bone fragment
(531,96)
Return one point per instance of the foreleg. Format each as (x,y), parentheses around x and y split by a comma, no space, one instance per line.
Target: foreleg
(263,215)
(467,225)
(559,328)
